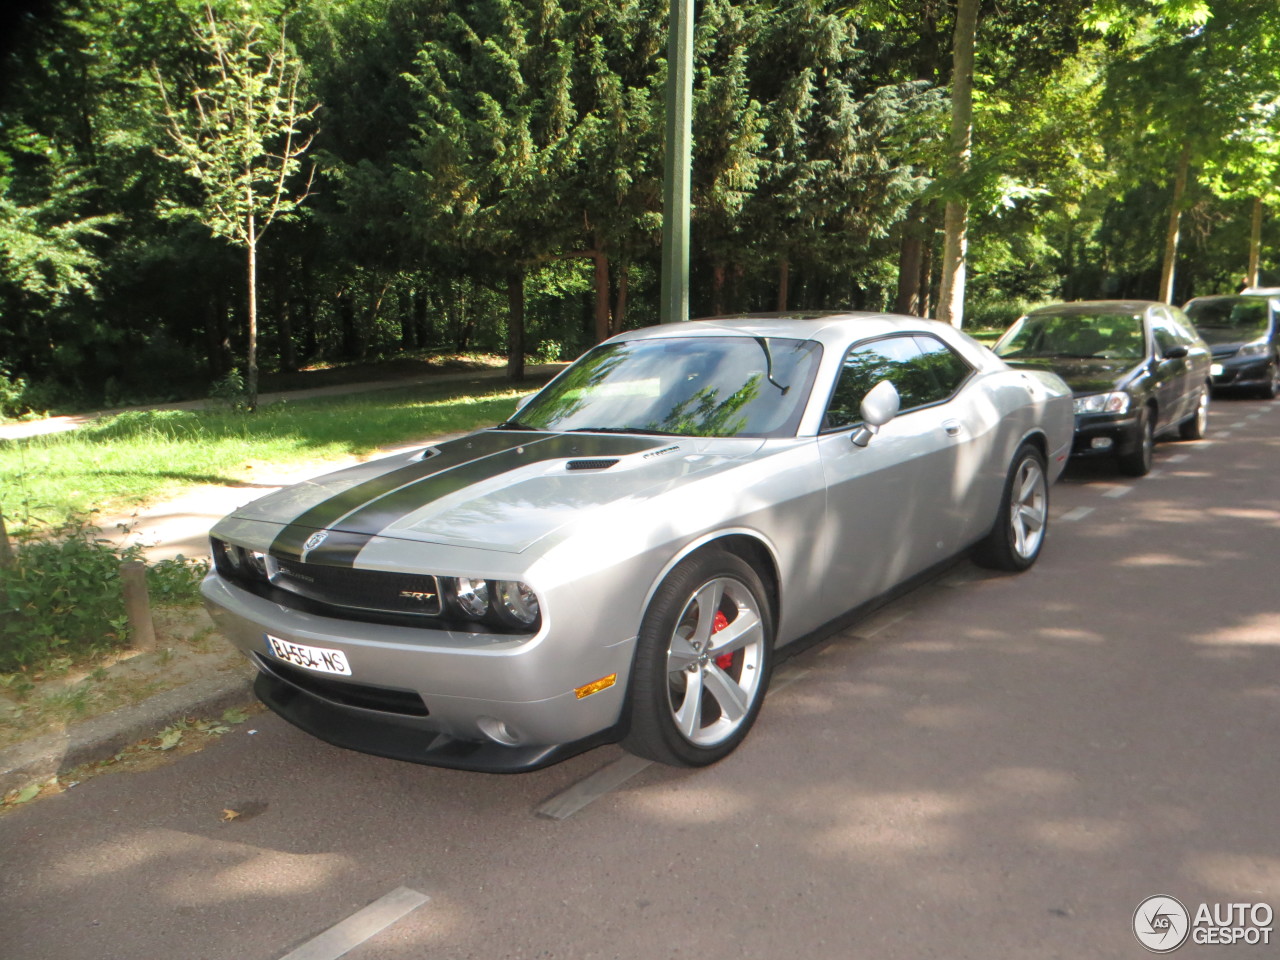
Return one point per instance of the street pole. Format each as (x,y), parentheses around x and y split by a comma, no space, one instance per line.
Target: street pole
(675,199)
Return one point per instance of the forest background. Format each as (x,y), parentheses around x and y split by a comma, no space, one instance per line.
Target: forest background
(188,190)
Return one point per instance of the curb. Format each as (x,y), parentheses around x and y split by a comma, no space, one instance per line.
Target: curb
(103,737)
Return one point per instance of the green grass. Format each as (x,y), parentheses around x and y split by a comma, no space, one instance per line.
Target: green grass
(138,456)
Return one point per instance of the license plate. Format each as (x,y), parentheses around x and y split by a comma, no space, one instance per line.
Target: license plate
(321,659)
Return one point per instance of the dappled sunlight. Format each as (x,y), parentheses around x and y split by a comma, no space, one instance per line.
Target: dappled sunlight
(912,822)
(1068,633)
(683,800)
(1262,629)
(1236,876)
(945,718)
(1270,517)
(1029,781)
(1079,835)
(1158,560)
(255,872)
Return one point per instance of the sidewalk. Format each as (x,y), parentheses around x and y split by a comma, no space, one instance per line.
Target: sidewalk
(167,529)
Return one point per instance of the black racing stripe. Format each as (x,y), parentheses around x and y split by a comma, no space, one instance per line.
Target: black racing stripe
(339,549)
(289,542)
(380,513)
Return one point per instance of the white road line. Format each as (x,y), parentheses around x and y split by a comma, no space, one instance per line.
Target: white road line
(592,787)
(1118,492)
(1079,513)
(1155,473)
(360,926)
(1222,434)
(1177,458)
(1253,416)
(1238,425)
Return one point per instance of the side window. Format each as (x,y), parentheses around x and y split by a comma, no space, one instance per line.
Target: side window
(923,369)
(949,369)
(1165,338)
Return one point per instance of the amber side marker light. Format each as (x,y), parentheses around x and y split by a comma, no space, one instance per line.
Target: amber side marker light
(604,683)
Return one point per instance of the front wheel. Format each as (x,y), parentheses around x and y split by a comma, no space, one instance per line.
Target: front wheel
(1018,534)
(702,664)
(1271,389)
(1137,461)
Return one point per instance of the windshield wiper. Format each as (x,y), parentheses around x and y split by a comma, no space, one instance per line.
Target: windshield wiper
(513,425)
(639,430)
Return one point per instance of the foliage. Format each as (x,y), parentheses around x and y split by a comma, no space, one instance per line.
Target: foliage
(62,597)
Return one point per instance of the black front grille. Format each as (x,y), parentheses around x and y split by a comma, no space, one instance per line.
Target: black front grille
(348,693)
(384,591)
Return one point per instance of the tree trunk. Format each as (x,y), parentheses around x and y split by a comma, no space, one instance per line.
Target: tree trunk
(910,252)
(1255,244)
(717,289)
(251,380)
(515,325)
(620,304)
(347,324)
(601,272)
(1175,224)
(784,283)
(956,223)
(925,280)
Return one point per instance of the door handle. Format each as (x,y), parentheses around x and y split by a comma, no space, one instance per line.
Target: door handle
(952,427)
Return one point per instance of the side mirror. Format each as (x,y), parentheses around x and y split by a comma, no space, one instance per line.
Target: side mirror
(1175,352)
(879,406)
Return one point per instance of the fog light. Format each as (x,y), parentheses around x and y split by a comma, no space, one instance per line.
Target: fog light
(1101,443)
(498,731)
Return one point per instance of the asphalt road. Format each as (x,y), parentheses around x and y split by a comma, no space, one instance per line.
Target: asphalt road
(990,767)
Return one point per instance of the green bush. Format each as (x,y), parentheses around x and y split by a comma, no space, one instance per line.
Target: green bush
(61,597)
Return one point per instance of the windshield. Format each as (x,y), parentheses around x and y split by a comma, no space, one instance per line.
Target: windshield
(1230,319)
(687,386)
(1110,336)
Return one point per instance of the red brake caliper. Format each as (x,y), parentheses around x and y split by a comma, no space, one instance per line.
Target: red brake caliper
(725,660)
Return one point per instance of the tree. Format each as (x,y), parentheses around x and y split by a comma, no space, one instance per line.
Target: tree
(240,136)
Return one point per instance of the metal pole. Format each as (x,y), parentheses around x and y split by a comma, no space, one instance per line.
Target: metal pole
(675,202)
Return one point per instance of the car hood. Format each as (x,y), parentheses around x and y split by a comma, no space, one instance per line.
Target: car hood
(1083,376)
(498,490)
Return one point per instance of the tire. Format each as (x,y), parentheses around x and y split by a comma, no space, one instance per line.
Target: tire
(692,698)
(1194,426)
(1018,534)
(1271,389)
(1137,462)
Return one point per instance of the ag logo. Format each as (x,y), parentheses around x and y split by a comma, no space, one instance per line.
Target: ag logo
(1161,924)
(313,541)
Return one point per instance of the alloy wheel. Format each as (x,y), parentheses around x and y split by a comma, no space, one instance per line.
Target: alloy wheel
(1028,508)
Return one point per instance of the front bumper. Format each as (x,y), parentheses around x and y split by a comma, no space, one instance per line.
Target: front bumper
(1121,429)
(1240,374)
(429,696)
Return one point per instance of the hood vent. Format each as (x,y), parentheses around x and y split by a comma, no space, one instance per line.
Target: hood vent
(590,464)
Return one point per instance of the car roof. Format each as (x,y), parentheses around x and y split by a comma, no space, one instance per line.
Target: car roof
(1263,291)
(1095,306)
(826,327)
(1230,296)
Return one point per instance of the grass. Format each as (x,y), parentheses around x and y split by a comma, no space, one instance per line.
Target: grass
(139,456)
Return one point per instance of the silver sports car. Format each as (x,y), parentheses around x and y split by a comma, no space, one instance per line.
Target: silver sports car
(625,557)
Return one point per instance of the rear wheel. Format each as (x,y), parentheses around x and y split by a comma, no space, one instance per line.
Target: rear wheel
(1137,462)
(702,662)
(1018,534)
(1194,426)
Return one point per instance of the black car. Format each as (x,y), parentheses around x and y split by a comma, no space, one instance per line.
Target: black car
(1137,368)
(1243,332)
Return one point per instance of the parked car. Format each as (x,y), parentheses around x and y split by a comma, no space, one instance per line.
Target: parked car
(1137,368)
(622,559)
(1243,332)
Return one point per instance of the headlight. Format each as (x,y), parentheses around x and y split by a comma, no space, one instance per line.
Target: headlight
(517,601)
(1103,403)
(472,595)
(1255,349)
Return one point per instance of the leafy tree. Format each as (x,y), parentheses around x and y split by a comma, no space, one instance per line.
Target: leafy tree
(241,136)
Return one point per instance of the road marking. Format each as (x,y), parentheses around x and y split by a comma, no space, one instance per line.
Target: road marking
(1253,416)
(1222,434)
(1238,425)
(612,775)
(1079,513)
(1155,473)
(1177,458)
(1118,491)
(360,926)
(592,787)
